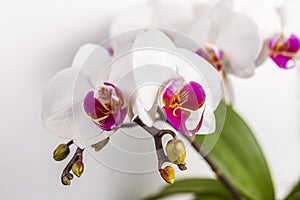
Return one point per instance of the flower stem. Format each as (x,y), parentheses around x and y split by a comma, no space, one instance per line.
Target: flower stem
(215,169)
(77,156)
(227,92)
(157,136)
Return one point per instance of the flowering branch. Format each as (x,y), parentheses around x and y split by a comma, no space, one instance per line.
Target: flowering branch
(157,135)
(66,175)
(215,169)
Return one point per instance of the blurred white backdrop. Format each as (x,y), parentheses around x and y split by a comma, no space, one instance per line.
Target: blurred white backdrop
(38,38)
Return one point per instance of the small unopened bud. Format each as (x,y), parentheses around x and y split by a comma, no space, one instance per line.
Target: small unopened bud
(77,168)
(168,174)
(70,176)
(61,152)
(65,180)
(182,167)
(176,151)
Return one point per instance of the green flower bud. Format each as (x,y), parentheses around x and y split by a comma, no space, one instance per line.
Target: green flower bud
(61,152)
(176,151)
(65,180)
(168,174)
(77,168)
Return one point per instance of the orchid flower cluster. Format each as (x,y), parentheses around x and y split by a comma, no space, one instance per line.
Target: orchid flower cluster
(91,101)
(105,86)
(235,41)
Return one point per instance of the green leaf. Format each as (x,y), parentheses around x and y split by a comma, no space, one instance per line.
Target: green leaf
(202,188)
(294,194)
(238,155)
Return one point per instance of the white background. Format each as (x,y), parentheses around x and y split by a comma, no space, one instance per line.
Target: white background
(38,38)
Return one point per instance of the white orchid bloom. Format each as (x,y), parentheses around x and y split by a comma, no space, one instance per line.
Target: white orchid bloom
(65,103)
(279,30)
(62,110)
(214,25)
(165,66)
(226,33)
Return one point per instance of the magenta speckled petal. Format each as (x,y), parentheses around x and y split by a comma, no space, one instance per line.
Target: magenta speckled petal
(180,100)
(107,124)
(293,43)
(283,61)
(177,119)
(106,111)
(93,107)
(193,96)
(283,50)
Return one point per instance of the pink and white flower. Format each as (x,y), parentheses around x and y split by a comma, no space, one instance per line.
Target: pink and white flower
(278,30)
(213,24)
(90,100)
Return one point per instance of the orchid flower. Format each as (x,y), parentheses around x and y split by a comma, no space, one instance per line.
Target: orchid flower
(278,28)
(225,33)
(163,56)
(74,102)
(215,25)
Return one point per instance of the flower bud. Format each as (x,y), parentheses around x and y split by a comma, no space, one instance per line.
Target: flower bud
(176,151)
(168,174)
(65,180)
(77,168)
(61,152)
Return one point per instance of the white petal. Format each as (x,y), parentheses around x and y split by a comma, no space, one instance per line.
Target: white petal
(91,60)
(58,100)
(86,132)
(264,54)
(152,56)
(199,30)
(265,16)
(241,44)
(195,68)
(209,123)
(170,15)
(137,17)
(153,38)
(205,26)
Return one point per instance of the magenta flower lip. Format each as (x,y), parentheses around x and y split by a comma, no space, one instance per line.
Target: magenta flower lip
(180,100)
(283,49)
(106,110)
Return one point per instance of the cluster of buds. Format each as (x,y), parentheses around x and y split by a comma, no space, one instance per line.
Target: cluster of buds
(176,154)
(75,165)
